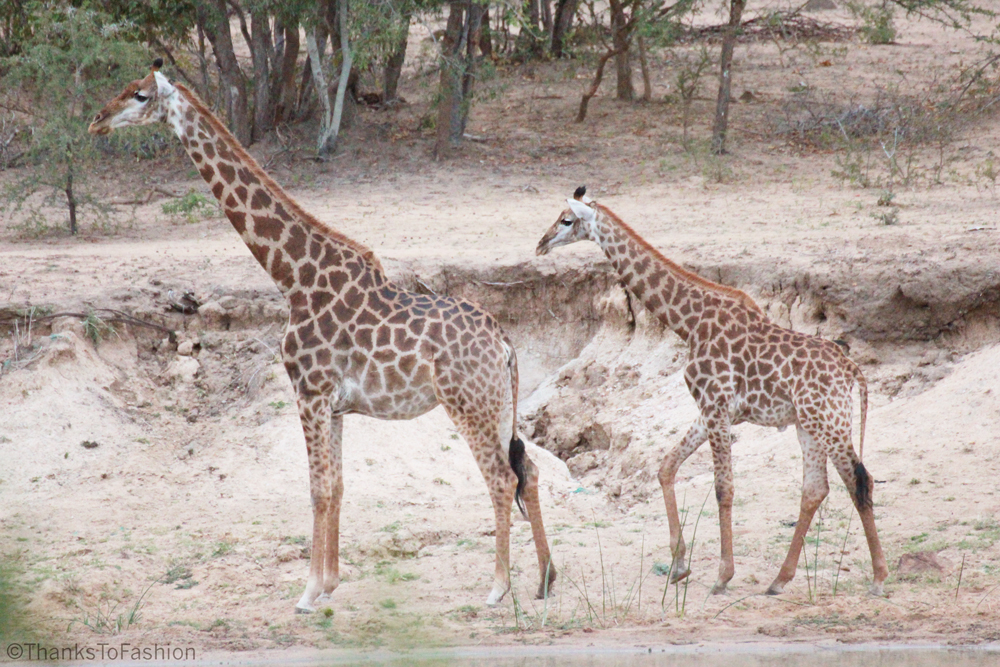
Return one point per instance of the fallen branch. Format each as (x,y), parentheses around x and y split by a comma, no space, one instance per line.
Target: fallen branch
(113,316)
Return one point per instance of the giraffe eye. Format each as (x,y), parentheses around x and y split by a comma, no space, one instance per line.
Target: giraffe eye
(140,98)
(566,221)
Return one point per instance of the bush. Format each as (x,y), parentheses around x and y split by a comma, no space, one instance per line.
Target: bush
(72,62)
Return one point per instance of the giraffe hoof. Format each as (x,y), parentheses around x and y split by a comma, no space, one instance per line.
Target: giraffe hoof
(876,590)
(775,589)
(496,595)
(719,588)
(680,576)
(299,609)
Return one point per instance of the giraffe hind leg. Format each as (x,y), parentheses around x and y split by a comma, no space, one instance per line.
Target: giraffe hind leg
(860,485)
(815,488)
(526,497)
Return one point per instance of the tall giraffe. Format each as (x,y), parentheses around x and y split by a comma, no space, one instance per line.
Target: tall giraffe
(741,368)
(356,342)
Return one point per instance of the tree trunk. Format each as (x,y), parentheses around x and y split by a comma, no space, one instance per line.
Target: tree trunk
(394,66)
(581,115)
(70,197)
(286,80)
(620,39)
(561,24)
(234,85)
(725,77)
(527,39)
(485,37)
(474,20)
(263,100)
(453,45)
(345,74)
(647,84)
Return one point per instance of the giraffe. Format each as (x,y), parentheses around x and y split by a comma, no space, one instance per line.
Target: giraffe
(355,342)
(741,368)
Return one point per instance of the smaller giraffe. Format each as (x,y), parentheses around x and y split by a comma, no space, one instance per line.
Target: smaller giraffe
(741,368)
(356,343)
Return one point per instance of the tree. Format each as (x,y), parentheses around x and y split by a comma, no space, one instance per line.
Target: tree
(561,24)
(213,19)
(458,73)
(725,76)
(68,65)
(627,18)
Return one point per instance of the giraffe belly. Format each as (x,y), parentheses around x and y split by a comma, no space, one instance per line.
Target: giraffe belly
(778,414)
(404,404)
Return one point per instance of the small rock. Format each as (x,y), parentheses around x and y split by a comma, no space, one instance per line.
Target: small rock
(212,312)
(183,369)
(228,302)
(90,444)
(185,348)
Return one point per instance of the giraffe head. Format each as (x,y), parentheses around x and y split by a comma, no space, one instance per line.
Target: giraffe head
(576,223)
(141,103)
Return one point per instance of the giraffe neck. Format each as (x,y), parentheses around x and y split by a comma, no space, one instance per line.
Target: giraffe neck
(289,243)
(677,297)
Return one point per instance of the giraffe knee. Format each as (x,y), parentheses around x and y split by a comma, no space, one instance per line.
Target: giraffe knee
(724,494)
(814,493)
(668,471)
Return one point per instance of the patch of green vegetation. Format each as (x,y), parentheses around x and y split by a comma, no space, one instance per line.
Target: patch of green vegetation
(14,623)
(221,548)
(192,207)
(392,575)
(96,329)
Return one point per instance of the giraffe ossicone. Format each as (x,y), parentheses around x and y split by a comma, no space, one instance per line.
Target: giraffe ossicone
(356,343)
(741,368)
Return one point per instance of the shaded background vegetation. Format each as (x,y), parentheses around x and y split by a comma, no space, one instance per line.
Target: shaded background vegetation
(264,65)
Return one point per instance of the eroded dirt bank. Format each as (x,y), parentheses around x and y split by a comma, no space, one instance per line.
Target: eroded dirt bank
(175,462)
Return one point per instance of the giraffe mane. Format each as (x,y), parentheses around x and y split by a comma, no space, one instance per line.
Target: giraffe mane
(677,269)
(276,191)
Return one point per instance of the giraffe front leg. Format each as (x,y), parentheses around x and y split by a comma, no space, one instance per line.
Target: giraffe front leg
(694,438)
(547,570)
(331,562)
(326,490)
(724,491)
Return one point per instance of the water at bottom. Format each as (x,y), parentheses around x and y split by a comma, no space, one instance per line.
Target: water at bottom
(801,656)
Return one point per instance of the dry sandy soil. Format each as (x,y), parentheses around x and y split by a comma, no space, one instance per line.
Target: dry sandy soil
(134,477)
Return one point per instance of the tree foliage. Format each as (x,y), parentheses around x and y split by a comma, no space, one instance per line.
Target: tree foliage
(69,63)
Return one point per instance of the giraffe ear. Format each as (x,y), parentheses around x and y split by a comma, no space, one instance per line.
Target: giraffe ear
(581,210)
(163,85)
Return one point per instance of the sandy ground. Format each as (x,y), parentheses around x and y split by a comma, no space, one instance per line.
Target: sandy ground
(134,478)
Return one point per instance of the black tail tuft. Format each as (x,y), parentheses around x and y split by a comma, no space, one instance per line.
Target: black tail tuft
(516,454)
(579,192)
(863,484)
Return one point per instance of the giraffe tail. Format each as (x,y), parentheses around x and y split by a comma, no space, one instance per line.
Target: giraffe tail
(863,395)
(515,452)
(862,480)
